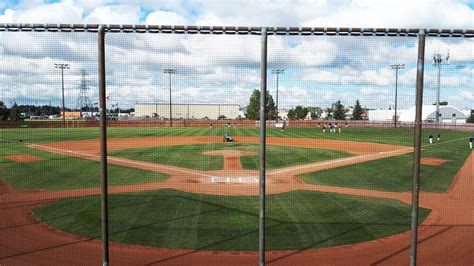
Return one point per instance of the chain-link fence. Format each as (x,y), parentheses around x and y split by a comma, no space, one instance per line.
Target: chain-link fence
(156,142)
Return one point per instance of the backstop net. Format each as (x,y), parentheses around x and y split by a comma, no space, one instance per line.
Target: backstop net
(184,138)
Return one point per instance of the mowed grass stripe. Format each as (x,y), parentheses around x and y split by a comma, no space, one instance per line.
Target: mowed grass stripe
(395,173)
(59,172)
(191,156)
(174,219)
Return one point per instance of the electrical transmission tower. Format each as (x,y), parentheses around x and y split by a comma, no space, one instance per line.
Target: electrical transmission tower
(84,103)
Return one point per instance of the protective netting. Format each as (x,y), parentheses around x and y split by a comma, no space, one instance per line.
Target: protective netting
(183,124)
(40,160)
(192,170)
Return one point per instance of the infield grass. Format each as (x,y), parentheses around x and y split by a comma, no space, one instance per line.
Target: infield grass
(296,220)
(190,156)
(391,174)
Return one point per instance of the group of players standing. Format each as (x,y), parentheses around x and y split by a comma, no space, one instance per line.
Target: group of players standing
(330,127)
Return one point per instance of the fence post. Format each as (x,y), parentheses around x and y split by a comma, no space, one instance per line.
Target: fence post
(103,147)
(262,143)
(417,147)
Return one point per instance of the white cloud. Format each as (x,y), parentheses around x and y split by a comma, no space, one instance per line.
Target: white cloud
(165,18)
(62,12)
(7,16)
(467,95)
(114,14)
(226,68)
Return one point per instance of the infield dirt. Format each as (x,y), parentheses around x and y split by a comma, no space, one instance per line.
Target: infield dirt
(446,236)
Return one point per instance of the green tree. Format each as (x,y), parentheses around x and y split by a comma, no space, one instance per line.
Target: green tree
(470,119)
(357,112)
(253,109)
(339,111)
(315,112)
(4,112)
(15,113)
(329,113)
(299,113)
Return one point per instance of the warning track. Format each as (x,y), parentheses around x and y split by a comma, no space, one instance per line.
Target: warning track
(446,236)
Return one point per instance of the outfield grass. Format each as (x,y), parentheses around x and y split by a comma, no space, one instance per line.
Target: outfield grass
(395,173)
(59,172)
(190,156)
(174,219)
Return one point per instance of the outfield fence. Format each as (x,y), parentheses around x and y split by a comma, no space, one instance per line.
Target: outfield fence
(346,135)
(233,123)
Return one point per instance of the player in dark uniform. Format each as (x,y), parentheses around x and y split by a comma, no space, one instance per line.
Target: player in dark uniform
(439,137)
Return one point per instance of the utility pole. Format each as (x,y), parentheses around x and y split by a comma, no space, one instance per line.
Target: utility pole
(277,72)
(396,67)
(62,67)
(170,71)
(438,61)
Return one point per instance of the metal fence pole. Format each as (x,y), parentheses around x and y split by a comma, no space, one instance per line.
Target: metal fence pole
(417,147)
(262,142)
(103,148)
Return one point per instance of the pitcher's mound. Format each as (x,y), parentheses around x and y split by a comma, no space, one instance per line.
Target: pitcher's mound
(21,158)
(432,161)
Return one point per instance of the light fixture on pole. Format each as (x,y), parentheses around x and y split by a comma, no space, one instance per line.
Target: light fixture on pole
(62,67)
(170,71)
(277,72)
(396,67)
(438,60)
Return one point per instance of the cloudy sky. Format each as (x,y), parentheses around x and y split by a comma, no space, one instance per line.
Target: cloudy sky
(319,70)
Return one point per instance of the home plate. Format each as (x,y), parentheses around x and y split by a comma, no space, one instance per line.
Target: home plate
(234,179)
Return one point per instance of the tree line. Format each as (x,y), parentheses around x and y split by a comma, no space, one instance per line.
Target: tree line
(337,111)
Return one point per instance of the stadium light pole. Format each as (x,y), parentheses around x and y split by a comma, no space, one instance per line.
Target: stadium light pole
(170,71)
(396,67)
(277,72)
(62,67)
(438,60)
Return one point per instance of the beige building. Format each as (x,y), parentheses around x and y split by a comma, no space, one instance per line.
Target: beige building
(187,111)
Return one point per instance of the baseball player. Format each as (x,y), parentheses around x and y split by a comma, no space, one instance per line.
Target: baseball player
(330,127)
(471,140)
(439,137)
(210,126)
(324,128)
(430,138)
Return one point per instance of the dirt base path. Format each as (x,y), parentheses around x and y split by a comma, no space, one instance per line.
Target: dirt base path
(446,236)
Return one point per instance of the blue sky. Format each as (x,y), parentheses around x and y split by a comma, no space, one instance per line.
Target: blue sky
(318,70)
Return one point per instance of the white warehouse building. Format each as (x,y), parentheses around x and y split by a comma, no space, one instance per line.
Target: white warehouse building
(187,111)
(448,114)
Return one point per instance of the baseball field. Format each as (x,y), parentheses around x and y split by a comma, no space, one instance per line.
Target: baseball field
(182,195)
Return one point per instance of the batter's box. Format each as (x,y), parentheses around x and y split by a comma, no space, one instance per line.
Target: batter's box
(234,179)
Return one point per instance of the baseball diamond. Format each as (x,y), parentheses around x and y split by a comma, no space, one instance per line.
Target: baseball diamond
(222,145)
(225,192)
